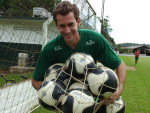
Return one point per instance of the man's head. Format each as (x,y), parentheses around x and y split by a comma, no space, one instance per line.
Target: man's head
(65,8)
(66,17)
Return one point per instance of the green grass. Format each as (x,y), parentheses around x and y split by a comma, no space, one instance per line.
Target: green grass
(15,77)
(137,86)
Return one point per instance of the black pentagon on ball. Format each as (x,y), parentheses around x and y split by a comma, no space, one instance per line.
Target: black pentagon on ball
(113,80)
(67,107)
(58,90)
(110,85)
(63,76)
(55,67)
(97,71)
(46,106)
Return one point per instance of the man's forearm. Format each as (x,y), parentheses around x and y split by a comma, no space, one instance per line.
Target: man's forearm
(121,72)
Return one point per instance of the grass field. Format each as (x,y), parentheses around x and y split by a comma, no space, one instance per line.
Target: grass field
(137,86)
(16,77)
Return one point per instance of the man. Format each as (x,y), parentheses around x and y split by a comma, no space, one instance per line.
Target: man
(72,39)
(117,51)
(137,54)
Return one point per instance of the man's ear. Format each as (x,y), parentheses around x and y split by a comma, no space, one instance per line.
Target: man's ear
(56,25)
(78,22)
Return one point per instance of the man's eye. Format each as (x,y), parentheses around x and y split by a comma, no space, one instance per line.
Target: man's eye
(70,25)
(62,26)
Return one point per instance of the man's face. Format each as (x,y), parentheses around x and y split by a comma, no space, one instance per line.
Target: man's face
(68,26)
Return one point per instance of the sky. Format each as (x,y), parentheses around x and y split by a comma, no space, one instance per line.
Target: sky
(129,19)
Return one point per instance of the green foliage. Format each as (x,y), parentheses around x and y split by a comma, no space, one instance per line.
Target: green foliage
(131,44)
(24,8)
(106,30)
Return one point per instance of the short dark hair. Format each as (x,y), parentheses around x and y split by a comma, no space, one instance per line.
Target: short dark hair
(64,8)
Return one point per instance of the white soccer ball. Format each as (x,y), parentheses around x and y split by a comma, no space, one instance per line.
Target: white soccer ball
(117,107)
(78,101)
(102,83)
(53,71)
(78,65)
(51,93)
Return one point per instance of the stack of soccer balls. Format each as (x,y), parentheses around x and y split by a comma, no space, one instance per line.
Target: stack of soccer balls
(75,86)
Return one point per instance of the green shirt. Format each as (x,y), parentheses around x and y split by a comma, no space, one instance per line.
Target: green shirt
(91,42)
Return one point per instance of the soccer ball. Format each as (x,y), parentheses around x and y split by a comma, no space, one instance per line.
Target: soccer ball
(78,101)
(77,85)
(117,107)
(51,93)
(78,65)
(53,71)
(102,82)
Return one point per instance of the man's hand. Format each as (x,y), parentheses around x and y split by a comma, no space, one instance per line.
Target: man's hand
(112,99)
(36,84)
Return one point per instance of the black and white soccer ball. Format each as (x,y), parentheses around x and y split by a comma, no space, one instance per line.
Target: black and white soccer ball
(117,107)
(53,71)
(78,64)
(51,93)
(78,101)
(102,82)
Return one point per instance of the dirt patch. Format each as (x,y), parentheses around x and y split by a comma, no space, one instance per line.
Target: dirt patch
(4,71)
(130,68)
(16,70)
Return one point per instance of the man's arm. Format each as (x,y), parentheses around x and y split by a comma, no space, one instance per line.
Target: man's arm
(36,84)
(121,72)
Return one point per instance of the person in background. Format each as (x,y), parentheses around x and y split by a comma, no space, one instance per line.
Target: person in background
(137,54)
(117,51)
(72,39)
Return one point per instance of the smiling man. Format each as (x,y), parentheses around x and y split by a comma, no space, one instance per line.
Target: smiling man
(71,40)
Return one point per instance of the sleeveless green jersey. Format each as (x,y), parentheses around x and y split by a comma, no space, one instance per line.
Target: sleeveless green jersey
(91,42)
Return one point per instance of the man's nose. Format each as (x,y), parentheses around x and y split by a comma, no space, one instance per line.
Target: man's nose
(67,29)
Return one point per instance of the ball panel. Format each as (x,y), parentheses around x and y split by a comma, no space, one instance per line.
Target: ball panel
(82,101)
(77,85)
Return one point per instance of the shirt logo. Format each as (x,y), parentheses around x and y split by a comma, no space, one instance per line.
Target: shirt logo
(57,48)
(90,42)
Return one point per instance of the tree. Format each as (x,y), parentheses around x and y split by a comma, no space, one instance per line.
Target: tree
(106,30)
(24,8)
